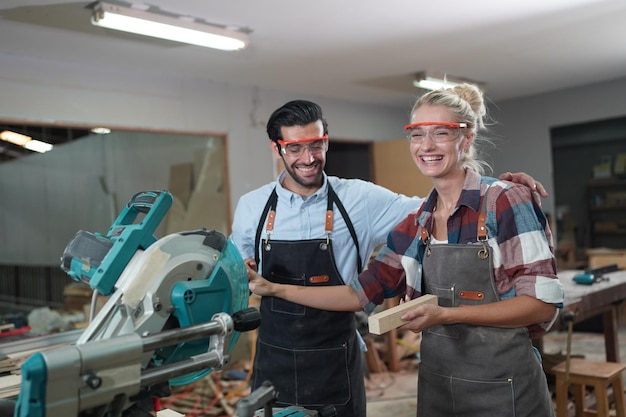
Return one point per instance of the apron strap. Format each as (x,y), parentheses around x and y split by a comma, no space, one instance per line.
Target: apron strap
(481,227)
(332,196)
(271,203)
(482,218)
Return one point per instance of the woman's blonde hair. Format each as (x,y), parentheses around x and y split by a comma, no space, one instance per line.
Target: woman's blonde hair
(467,102)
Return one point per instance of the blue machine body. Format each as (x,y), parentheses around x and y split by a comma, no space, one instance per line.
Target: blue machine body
(99,260)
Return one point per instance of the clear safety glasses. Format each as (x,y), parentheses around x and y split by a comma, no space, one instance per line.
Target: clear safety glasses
(439,132)
(295,148)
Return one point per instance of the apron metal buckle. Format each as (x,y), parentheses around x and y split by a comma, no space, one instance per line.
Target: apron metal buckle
(266,243)
(324,245)
(484,252)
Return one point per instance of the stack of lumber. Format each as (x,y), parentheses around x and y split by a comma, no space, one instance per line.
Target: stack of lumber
(10,376)
(14,354)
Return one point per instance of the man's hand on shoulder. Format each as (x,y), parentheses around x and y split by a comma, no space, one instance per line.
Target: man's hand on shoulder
(525,179)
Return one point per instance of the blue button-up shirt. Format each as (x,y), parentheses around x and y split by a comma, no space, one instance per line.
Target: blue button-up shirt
(373,211)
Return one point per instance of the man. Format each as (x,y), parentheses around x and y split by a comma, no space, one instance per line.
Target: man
(310,229)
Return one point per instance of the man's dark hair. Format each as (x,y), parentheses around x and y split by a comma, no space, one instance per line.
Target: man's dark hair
(294,113)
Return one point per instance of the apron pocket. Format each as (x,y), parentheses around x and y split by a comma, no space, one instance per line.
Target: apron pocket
(322,373)
(446,298)
(445,295)
(475,397)
(278,305)
(275,364)
(440,395)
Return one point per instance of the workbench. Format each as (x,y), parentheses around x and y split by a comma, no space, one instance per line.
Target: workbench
(598,299)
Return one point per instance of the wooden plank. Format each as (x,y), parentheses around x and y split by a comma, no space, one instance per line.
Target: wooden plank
(8,326)
(386,320)
(10,386)
(169,413)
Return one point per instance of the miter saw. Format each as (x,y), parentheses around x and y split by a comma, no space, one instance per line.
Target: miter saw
(175,308)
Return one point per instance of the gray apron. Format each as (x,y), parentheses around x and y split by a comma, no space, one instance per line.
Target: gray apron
(474,371)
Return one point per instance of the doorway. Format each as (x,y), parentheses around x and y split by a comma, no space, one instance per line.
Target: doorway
(578,152)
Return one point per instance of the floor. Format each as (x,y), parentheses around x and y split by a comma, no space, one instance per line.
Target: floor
(395,394)
(392,394)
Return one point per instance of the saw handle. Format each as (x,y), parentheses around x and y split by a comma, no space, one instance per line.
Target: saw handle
(144,200)
(248,319)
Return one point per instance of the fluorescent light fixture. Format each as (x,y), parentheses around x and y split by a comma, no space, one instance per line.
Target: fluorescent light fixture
(38,146)
(25,141)
(430,81)
(15,138)
(179,29)
(101,130)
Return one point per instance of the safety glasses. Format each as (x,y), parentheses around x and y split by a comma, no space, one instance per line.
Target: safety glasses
(296,147)
(439,132)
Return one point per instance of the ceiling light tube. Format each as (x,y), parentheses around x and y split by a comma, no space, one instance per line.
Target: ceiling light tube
(432,83)
(15,138)
(38,146)
(101,130)
(167,27)
(438,81)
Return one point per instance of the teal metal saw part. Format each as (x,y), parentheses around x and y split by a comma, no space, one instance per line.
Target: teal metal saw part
(101,259)
(153,284)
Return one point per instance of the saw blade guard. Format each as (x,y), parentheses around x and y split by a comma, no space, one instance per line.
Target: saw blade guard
(181,280)
(194,302)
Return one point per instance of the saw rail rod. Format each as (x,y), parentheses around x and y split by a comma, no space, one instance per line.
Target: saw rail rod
(220,325)
(183,334)
(162,373)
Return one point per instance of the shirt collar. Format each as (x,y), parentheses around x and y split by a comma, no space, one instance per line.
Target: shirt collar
(470,197)
(291,198)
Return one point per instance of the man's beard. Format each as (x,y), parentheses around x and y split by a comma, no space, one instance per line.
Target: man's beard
(314,182)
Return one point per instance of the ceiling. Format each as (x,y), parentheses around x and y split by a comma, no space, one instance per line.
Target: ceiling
(363,51)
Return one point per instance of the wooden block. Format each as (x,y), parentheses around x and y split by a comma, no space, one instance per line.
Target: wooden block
(5,327)
(166,412)
(386,320)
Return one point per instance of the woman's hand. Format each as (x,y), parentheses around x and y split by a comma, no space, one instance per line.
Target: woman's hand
(251,263)
(422,317)
(525,179)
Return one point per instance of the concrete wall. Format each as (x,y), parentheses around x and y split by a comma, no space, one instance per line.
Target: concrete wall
(524,126)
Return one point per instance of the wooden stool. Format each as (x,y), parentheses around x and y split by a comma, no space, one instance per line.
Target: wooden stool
(597,374)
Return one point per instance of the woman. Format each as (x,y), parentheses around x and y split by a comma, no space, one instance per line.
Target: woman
(483,247)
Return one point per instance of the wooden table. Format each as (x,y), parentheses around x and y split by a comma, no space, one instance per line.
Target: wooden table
(600,298)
